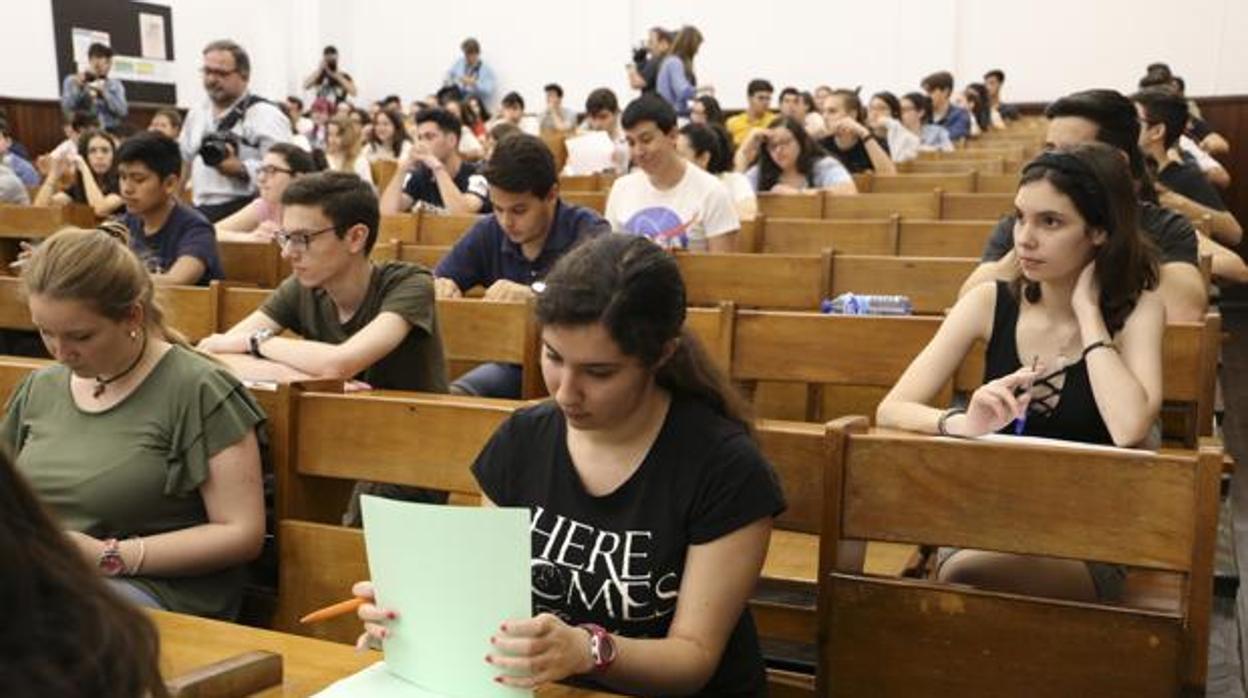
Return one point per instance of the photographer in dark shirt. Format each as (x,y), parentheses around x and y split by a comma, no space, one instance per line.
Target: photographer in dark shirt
(329,82)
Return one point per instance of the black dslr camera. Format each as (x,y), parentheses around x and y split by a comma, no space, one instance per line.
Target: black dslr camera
(220,144)
(217,146)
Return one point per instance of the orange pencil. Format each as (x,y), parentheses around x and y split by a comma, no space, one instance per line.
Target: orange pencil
(333,611)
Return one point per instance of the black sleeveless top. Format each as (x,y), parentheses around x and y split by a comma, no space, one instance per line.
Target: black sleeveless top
(1070,414)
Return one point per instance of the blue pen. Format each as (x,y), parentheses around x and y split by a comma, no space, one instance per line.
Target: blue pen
(1020,424)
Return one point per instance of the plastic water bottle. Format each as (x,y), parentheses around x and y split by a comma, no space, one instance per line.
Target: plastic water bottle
(851,304)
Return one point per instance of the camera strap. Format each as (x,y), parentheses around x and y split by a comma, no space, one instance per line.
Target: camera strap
(237,113)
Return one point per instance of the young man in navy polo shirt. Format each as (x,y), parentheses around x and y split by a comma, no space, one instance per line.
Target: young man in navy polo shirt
(507,252)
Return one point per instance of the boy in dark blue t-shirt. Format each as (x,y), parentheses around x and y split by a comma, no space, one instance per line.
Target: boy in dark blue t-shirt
(178,244)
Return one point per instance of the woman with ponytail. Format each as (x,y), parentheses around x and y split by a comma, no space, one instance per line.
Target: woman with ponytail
(1073,346)
(145,450)
(651,505)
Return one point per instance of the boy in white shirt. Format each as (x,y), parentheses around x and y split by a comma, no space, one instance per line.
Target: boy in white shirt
(667,200)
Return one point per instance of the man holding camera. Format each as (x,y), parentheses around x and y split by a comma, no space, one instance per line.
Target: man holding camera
(329,82)
(91,90)
(225,137)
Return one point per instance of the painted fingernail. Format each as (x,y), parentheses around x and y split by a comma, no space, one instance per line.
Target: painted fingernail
(503,627)
(391,615)
(488,660)
(498,679)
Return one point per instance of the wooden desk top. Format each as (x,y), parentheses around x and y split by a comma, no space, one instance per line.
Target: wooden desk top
(188,642)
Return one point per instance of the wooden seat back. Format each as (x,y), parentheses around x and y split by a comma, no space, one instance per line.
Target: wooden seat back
(937,238)
(808,205)
(398,226)
(931,283)
(1130,508)
(383,172)
(845,363)
(772,281)
(996,183)
(596,200)
(877,206)
(990,166)
(966,207)
(956,182)
(424,255)
(17,221)
(601,181)
(442,229)
(258,263)
(713,328)
(477,331)
(809,236)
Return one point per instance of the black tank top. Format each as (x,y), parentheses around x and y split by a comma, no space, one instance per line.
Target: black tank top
(1075,416)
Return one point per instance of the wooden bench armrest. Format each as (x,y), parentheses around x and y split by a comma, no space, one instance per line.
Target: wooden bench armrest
(235,677)
(1228,462)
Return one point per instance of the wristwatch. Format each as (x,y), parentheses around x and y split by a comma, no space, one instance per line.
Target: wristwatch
(110,563)
(601,646)
(257,338)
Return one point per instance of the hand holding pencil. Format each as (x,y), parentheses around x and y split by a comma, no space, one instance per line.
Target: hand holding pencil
(997,403)
(362,605)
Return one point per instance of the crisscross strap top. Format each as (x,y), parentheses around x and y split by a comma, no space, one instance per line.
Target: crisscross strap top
(1062,404)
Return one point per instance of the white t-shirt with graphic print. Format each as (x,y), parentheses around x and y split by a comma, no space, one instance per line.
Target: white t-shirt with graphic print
(683,217)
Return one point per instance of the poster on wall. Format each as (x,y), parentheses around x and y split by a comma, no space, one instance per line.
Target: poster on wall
(140,69)
(82,40)
(152,36)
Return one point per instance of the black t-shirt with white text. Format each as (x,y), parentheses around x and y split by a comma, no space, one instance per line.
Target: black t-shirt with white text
(617,560)
(1171,233)
(422,186)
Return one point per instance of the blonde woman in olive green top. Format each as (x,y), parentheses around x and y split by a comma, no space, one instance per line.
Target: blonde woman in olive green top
(145,450)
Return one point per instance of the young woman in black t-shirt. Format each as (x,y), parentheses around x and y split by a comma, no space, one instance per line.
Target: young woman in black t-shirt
(651,505)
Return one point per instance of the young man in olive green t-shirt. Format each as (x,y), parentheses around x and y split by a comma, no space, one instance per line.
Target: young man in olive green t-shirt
(357,320)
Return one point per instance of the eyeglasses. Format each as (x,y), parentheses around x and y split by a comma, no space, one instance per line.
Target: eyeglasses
(270,170)
(217,72)
(297,239)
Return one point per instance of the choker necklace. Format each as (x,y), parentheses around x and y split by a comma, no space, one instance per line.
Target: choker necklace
(102,383)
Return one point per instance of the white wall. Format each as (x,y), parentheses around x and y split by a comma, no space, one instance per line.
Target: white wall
(1046,48)
(29,53)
